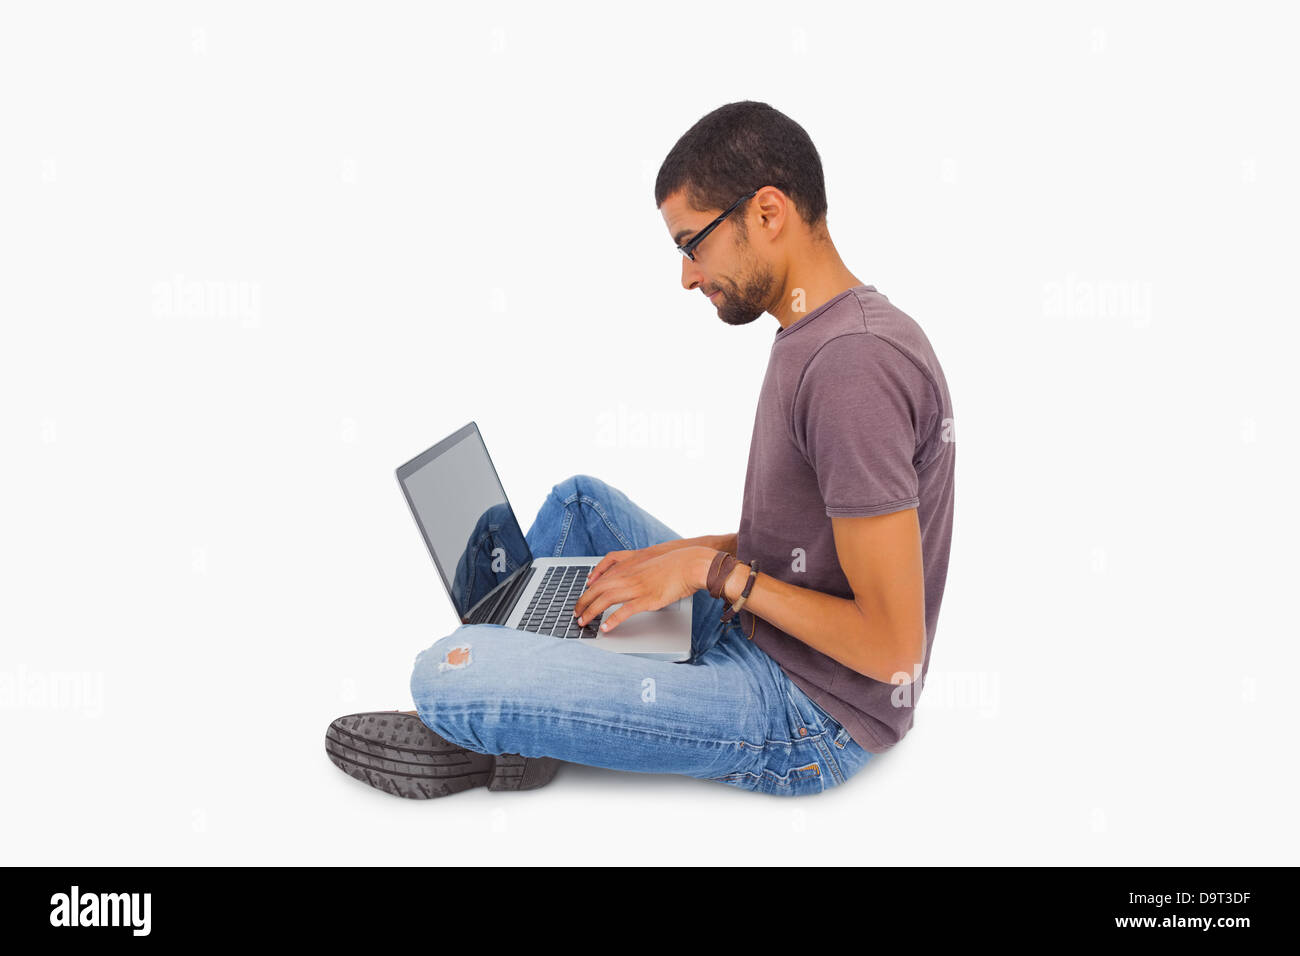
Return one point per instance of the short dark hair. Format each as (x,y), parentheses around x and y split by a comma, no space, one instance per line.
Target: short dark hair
(739,147)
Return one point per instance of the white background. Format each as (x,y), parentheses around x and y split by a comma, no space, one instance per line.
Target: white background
(398,218)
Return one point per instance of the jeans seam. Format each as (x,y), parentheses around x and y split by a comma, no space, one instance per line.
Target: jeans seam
(831,762)
(804,773)
(773,740)
(597,507)
(441,711)
(585,718)
(604,516)
(565,525)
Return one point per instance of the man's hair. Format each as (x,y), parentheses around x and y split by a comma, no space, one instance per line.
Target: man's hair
(744,146)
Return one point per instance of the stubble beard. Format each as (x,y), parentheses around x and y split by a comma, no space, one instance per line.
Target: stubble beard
(743,302)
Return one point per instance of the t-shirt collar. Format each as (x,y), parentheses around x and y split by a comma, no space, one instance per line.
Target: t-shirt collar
(818,311)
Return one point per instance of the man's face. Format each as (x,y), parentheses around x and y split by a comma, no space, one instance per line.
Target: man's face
(741,283)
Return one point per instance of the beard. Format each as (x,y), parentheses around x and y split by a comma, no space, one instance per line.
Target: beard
(741,302)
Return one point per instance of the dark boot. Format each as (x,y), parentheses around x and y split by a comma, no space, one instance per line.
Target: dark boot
(398,754)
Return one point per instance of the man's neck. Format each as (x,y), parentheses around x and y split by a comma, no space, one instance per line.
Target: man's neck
(811,285)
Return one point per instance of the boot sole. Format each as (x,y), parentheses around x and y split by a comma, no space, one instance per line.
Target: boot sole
(398,754)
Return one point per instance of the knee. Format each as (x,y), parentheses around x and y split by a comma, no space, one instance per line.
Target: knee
(441,680)
(577,486)
(448,655)
(459,683)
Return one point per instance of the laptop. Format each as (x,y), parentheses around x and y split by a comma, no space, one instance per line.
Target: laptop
(489,571)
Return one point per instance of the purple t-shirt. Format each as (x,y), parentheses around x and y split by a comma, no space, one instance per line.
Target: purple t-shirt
(853,420)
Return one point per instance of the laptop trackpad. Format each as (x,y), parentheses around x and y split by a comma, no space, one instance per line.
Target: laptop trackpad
(649,629)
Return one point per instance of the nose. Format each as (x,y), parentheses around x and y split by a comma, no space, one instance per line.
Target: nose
(691,274)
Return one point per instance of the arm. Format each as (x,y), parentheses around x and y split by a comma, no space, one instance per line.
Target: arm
(688,548)
(714,542)
(880,632)
(720,542)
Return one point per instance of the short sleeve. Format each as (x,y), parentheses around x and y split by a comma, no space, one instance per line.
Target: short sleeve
(861,410)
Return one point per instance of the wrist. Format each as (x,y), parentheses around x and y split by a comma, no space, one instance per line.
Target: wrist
(700,569)
(722,542)
(675,543)
(735,583)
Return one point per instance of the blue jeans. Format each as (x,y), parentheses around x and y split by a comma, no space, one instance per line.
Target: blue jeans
(728,714)
(475,576)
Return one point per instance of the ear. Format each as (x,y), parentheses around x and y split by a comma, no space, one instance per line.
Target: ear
(772,210)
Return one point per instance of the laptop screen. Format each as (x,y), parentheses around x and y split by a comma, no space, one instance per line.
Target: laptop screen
(463,513)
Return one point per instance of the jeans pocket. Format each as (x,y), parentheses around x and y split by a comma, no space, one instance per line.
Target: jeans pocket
(836,734)
(809,716)
(841,738)
(836,744)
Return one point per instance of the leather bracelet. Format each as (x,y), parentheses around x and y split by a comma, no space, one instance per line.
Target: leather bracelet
(711,578)
(719,571)
(744,595)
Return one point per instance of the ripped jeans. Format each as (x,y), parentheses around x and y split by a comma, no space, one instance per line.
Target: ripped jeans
(729,714)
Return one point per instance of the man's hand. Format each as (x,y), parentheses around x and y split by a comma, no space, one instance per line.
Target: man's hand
(627,559)
(714,542)
(642,582)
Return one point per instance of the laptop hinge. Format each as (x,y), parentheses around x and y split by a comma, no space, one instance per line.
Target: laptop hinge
(485,611)
(512,598)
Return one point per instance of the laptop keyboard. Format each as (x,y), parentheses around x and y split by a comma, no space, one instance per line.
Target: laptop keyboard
(551,609)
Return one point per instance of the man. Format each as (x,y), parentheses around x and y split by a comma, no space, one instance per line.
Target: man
(847,517)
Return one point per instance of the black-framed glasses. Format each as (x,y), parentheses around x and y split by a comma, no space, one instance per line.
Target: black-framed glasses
(688,248)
